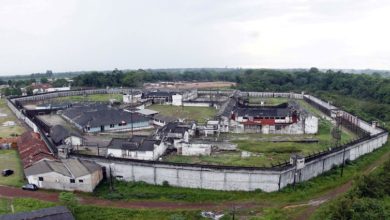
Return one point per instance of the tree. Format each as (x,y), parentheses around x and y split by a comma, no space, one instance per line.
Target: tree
(44,80)
(60,83)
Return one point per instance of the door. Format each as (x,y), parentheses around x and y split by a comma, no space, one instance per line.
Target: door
(102,128)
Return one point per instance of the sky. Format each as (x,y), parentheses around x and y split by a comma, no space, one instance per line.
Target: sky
(74,35)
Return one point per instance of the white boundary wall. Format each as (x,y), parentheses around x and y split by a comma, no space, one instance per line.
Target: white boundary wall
(236,178)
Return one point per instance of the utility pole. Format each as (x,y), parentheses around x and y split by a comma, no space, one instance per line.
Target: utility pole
(131,113)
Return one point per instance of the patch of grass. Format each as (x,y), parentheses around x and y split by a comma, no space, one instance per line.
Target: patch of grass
(97,213)
(9,131)
(91,98)
(199,114)
(303,191)
(266,152)
(93,212)
(9,159)
(5,206)
(232,159)
(27,204)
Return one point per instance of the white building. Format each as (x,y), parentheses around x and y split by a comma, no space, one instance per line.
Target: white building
(60,135)
(193,149)
(162,120)
(137,147)
(132,98)
(177,100)
(68,174)
(57,89)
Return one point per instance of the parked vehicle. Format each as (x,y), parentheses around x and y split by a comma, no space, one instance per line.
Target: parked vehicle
(31,187)
(7,172)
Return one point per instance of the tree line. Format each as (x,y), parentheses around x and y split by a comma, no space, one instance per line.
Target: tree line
(355,85)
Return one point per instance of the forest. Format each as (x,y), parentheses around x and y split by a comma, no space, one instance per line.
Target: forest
(368,94)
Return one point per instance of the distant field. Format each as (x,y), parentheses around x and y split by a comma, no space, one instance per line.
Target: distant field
(92,98)
(9,159)
(199,114)
(8,131)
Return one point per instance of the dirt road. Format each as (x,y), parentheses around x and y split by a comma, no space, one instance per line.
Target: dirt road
(312,205)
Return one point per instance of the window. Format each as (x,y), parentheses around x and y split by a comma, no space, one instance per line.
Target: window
(40,178)
(72,181)
(81,181)
(112,125)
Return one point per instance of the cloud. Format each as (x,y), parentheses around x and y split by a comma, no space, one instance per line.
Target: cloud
(88,35)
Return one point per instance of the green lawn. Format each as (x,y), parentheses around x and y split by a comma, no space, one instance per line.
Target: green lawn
(232,159)
(85,212)
(9,130)
(92,98)
(199,114)
(266,152)
(9,159)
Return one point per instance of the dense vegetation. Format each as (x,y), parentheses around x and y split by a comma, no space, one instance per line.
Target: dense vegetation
(371,92)
(356,85)
(369,199)
(137,78)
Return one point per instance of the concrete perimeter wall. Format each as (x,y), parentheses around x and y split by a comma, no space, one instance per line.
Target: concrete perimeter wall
(242,178)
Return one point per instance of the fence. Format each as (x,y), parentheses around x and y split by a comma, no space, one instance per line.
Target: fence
(231,177)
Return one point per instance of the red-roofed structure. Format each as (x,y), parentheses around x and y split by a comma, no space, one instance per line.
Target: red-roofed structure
(32,149)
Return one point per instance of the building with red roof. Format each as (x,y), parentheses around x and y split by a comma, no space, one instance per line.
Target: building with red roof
(33,149)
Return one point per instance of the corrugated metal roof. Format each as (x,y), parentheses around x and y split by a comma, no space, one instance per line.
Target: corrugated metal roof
(69,167)
(146,112)
(53,213)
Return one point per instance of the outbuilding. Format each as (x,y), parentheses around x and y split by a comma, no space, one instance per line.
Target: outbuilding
(68,174)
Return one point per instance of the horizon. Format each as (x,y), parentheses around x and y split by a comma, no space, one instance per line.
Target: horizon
(72,36)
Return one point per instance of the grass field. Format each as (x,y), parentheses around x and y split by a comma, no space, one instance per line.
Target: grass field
(91,98)
(265,151)
(9,159)
(84,212)
(9,130)
(199,114)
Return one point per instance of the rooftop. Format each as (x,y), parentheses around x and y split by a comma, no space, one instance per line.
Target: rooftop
(135,143)
(146,112)
(263,112)
(165,118)
(97,115)
(69,167)
(53,213)
(32,149)
(58,133)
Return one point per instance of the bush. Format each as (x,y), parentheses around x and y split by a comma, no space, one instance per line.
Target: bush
(165,183)
(370,186)
(69,200)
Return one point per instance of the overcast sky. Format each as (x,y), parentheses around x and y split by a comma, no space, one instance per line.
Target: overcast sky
(71,35)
